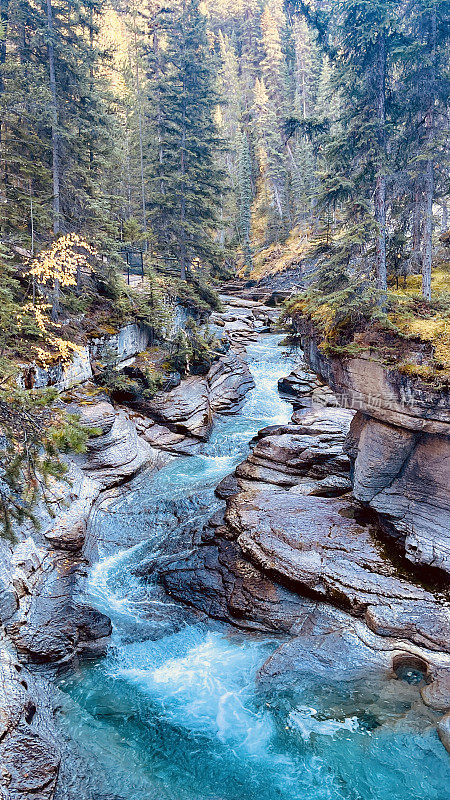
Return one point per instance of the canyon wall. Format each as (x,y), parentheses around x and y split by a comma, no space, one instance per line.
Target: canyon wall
(399,446)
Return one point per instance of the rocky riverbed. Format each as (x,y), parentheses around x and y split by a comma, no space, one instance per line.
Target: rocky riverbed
(293,551)
(43,620)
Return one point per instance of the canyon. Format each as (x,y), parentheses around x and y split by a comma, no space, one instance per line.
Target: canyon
(330,534)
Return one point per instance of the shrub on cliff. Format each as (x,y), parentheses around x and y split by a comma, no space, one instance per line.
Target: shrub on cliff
(33,435)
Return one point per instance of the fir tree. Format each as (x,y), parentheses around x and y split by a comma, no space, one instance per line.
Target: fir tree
(245,199)
(186,181)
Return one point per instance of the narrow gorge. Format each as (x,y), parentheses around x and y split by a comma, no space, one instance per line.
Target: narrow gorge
(252,620)
(224,400)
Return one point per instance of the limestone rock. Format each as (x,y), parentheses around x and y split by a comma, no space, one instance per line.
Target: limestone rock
(118,454)
(30,754)
(237,302)
(227,487)
(50,625)
(68,532)
(443,729)
(165,439)
(229,380)
(417,501)
(331,486)
(285,457)
(185,414)
(385,394)
(437,693)
(219,580)
(320,421)
(382,452)
(240,333)
(299,383)
(315,544)
(427,624)
(334,647)
(97,415)
(186,408)
(9,601)
(404,476)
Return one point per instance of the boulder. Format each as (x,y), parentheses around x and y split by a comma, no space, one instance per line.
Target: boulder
(227,487)
(299,383)
(437,693)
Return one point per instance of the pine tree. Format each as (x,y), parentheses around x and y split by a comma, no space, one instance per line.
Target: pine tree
(187,184)
(56,130)
(245,199)
(424,100)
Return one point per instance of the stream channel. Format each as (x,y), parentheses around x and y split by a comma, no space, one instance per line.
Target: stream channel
(173,712)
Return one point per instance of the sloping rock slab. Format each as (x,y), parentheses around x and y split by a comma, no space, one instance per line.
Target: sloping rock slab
(315,544)
(229,380)
(334,647)
(117,454)
(186,407)
(220,581)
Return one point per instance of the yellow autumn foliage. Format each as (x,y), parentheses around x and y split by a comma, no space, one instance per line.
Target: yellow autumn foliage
(61,261)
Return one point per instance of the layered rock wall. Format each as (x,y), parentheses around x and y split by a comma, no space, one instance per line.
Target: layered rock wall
(400,449)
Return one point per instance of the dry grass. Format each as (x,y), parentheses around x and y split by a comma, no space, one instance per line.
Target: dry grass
(430,322)
(280,256)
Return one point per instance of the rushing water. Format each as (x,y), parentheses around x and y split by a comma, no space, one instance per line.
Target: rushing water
(173,711)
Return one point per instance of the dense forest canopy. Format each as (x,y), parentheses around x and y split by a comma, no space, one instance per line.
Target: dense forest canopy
(224,137)
(213,129)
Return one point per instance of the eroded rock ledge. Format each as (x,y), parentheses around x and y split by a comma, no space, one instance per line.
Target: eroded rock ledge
(291,553)
(400,449)
(30,753)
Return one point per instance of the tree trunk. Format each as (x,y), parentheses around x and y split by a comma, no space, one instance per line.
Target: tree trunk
(417,225)
(428,232)
(183,255)
(444,221)
(183,203)
(141,144)
(55,149)
(156,57)
(380,191)
(429,173)
(4,27)
(54,110)
(278,200)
